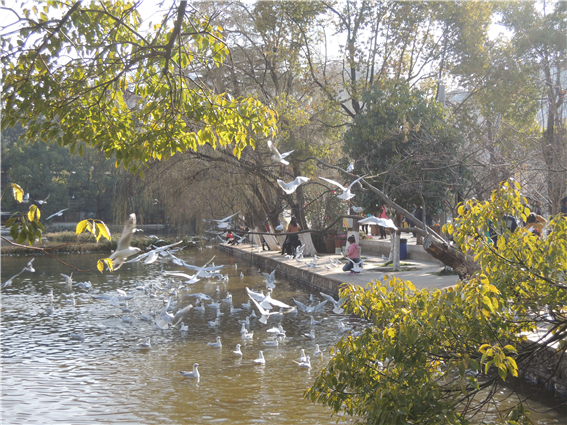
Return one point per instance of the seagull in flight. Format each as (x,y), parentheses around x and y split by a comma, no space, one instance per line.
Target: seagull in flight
(43,201)
(310,309)
(58,213)
(290,187)
(28,268)
(357,209)
(223,223)
(277,156)
(347,194)
(337,309)
(192,374)
(124,250)
(265,313)
(68,280)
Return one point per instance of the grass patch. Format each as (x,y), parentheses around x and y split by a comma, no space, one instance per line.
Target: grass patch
(69,242)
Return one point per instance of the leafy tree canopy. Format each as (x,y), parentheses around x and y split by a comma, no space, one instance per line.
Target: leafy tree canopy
(96,76)
(427,355)
(403,140)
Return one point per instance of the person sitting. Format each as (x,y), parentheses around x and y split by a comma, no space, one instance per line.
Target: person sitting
(352,254)
(535,224)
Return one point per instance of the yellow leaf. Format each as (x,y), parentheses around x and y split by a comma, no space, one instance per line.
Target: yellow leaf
(103,230)
(18,192)
(483,348)
(109,263)
(100,265)
(33,213)
(81,226)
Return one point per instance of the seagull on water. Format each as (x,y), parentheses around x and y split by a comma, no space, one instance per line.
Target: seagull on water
(260,359)
(302,356)
(192,374)
(310,335)
(306,363)
(124,250)
(78,336)
(346,195)
(145,345)
(248,336)
(237,351)
(318,351)
(277,156)
(271,343)
(217,344)
(290,187)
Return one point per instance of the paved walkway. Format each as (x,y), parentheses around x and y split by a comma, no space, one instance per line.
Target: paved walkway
(421,273)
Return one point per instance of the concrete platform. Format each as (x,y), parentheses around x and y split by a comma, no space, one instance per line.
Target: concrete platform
(328,280)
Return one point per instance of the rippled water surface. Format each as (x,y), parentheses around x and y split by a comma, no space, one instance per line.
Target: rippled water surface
(47,377)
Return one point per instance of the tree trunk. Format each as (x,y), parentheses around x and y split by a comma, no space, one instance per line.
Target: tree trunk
(463,264)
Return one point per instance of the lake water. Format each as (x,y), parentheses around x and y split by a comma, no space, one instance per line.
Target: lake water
(48,377)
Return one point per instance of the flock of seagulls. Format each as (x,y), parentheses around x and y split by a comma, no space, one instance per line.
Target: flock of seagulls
(259,308)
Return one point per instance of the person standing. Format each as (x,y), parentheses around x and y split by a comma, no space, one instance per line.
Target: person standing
(353,254)
(293,239)
(381,228)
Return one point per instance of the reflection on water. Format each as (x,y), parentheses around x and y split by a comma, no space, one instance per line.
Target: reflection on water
(48,377)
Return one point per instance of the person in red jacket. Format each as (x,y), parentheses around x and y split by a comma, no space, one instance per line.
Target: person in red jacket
(353,254)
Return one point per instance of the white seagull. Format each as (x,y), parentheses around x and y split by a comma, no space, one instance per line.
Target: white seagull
(192,374)
(68,280)
(237,351)
(265,313)
(305,363)
(28,268)
(290,187)
(145,345)
(311,308)
(124,250)
(260,359)
(337,309)
(346,195)
(217,344)
(277,156)
(350,167)
(58,213)
(318,351)
(310,335)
